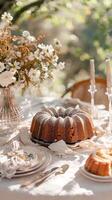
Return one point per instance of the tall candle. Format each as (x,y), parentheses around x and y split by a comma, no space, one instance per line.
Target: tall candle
(92,72)
(108,73)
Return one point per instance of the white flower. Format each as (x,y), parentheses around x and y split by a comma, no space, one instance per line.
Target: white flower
(50,48)
(7,78)
(55,60)
(31,38)
(17,65)
(31,56)
(18,53)
(39,55)
(47,50)
(57,43)
(45,69)
(34,75)
(36,53)
(2,66)
(6,17)
(26,34)
(61,65)
(41,46)
(19,3)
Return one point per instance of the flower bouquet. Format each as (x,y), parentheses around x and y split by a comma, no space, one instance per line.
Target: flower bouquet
(25,61)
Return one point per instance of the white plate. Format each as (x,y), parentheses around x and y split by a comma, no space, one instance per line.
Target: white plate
(94,177)
(39,156)
(47,162)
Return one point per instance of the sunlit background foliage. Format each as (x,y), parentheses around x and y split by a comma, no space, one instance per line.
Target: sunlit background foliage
(84,28)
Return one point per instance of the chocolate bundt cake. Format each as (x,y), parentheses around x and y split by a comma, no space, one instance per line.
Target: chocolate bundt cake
(53,124)
(100,162)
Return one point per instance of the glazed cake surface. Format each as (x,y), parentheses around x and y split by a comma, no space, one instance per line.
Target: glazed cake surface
(100,162)
(53,124)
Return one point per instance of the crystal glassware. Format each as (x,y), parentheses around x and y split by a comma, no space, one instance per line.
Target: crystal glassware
(10,112)
(109,94)
(92,90)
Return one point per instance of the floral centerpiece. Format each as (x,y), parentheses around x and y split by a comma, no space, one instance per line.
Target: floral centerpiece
(23,60)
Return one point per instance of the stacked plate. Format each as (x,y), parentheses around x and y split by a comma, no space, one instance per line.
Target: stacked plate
(93,177)
(40,159)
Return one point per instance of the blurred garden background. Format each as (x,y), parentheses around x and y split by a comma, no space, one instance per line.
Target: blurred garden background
(84,28)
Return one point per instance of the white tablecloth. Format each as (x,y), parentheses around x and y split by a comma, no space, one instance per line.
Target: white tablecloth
(71,185)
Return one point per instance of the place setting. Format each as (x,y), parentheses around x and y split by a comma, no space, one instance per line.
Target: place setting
(19,161)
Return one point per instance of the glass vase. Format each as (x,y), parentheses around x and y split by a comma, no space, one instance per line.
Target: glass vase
(10,112)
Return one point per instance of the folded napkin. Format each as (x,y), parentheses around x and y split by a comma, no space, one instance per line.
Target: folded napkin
(13,158)
(24,137)
(60,148)
(95,142)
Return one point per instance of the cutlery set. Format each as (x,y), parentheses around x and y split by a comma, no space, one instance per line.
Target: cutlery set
(41,177)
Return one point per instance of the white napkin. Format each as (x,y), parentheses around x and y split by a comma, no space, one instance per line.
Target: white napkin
(25,138)
(89,145)
(12,158)
(60,148)
(95,142)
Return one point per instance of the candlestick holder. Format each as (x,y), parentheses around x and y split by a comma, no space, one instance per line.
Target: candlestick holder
(92,90)
(109,95)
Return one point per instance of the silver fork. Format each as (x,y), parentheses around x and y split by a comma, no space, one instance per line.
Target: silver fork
(41,178)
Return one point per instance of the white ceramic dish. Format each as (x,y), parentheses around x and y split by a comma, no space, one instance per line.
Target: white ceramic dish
(47,162)
(39,157)
(94,177)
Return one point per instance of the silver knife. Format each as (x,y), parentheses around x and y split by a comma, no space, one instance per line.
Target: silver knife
(41,178)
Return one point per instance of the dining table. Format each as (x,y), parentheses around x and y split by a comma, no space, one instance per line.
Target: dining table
(71,184)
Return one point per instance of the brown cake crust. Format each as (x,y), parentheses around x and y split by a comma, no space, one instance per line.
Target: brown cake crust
(100,162)
(53,124)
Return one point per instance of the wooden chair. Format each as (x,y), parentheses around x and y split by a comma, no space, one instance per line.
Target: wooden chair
(80,90)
